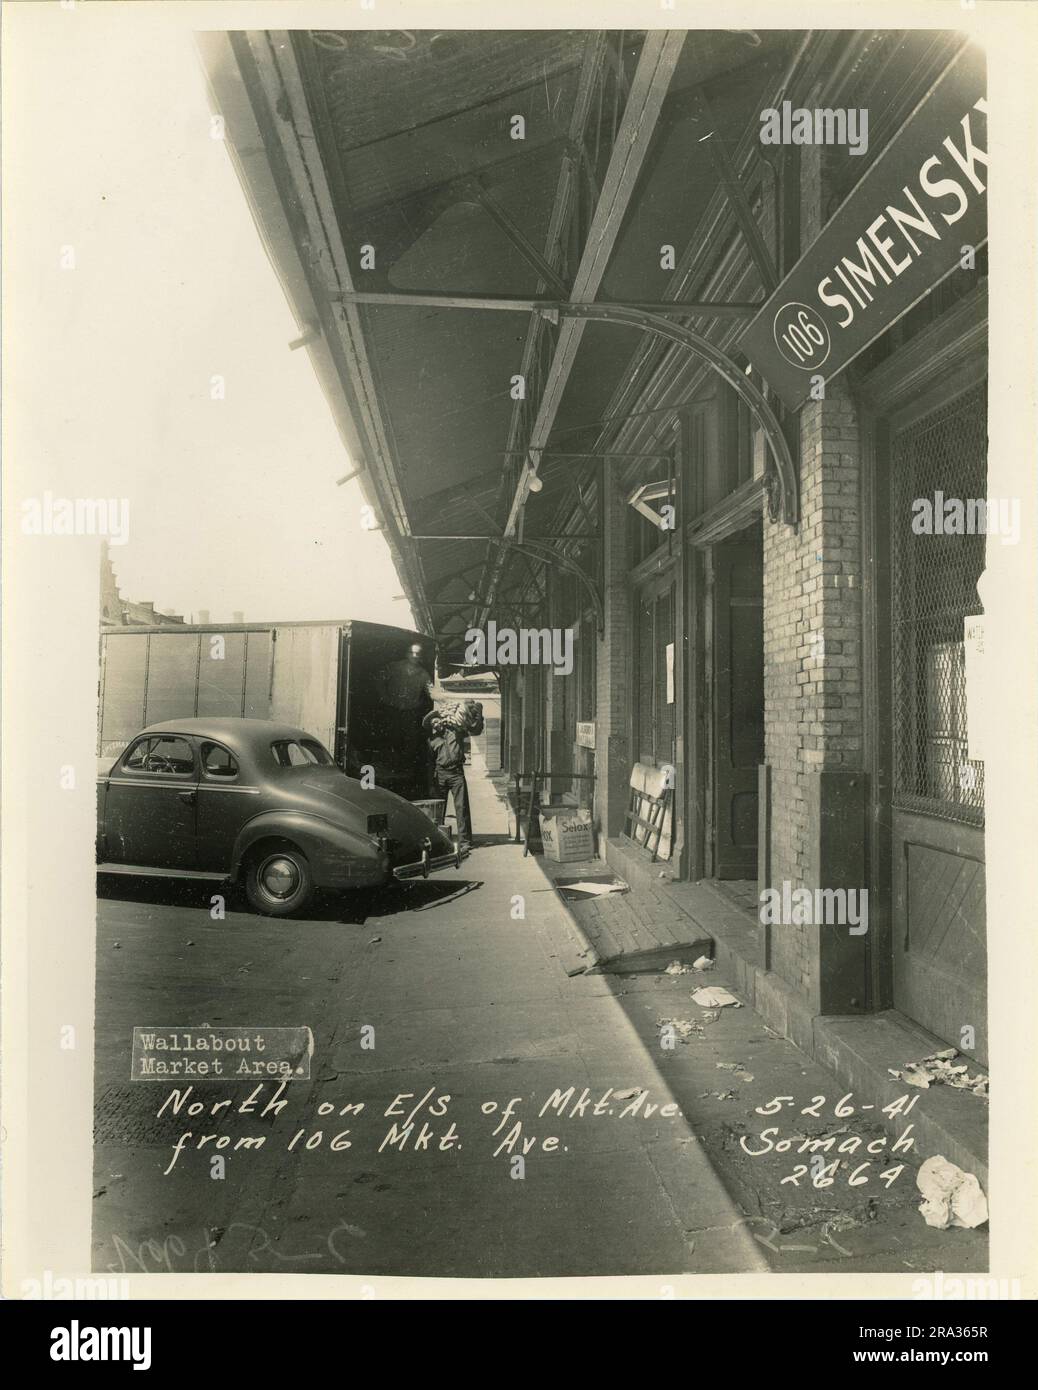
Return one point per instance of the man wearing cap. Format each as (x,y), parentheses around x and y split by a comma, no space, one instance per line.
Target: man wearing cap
(447,744)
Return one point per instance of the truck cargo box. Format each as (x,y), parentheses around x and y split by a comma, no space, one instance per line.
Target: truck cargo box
(334,679)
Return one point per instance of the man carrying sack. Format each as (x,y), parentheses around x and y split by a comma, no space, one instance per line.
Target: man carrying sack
(446,730)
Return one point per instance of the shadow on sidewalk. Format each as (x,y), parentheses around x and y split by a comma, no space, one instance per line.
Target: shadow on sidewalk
(352,909)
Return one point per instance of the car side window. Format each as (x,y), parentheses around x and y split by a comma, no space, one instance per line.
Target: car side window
(290,753)
(219,761)
(161,753)
(317,752)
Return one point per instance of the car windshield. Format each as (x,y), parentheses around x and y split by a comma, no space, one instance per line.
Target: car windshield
(302,752)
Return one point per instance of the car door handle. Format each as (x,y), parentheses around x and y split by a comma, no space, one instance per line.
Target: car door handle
(188,798)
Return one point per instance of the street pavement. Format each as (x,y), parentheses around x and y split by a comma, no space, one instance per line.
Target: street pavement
(572,1143)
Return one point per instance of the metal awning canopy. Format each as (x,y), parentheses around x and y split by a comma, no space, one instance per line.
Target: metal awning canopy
(451,211)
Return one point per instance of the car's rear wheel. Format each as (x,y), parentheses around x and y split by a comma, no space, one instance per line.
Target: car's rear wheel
(278,881)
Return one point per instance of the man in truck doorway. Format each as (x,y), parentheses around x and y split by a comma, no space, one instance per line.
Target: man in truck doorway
(403,690)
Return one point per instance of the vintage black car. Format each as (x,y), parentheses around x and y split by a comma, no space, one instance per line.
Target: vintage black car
(260,803)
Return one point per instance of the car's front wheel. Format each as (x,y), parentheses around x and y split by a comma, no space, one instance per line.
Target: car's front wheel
(278,881)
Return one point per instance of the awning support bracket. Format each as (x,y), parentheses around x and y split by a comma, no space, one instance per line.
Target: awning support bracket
(786,485)
(548,555)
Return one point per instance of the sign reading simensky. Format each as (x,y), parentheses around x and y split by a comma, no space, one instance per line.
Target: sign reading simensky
(900,232)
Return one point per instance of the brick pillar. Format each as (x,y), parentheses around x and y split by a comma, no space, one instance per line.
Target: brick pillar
(613,673)
(813,682)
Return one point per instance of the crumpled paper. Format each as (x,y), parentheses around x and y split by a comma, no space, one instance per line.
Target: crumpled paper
(685,1028)
(940,1069)
(714,997)
(950,1196)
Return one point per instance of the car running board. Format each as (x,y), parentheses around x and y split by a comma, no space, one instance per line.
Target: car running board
(139,871)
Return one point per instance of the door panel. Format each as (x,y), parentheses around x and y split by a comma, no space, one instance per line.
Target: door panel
(259,654)
(221,673)
(172,683)
(122,709)
(150,809)
(738,705)
(304,690)
(940,951)
(226,800)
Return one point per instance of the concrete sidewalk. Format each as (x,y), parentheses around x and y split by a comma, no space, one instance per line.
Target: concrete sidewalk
(728,1062)
(446,987)
(662,919)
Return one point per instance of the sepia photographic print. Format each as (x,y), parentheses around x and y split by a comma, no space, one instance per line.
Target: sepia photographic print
(520,587)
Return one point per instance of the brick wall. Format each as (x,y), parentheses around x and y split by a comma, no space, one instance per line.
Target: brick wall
(812,629)
(812,647)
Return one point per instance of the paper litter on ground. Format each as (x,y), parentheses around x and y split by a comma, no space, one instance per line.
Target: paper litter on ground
(737,1067)
(592,890)
(714,997)
(684,1027)
(950,1196)
(939,1068)
(703,963)
(676,968)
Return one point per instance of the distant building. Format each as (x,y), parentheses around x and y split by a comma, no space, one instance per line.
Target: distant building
(125,612)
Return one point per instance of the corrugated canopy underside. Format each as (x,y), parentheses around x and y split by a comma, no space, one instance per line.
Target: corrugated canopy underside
(404,122)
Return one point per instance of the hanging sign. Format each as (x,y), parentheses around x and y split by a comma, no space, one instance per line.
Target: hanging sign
(915,217)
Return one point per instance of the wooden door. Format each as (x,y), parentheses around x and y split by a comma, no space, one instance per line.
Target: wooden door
(937,816)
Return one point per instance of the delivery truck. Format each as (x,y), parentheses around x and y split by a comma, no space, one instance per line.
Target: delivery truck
(360,688)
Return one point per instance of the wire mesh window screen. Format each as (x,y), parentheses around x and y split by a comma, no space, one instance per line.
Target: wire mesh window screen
(941,458)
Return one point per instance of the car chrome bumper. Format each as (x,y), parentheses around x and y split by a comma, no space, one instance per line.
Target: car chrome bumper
(429,864)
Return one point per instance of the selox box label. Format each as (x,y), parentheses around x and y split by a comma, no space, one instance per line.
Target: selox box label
(567,835)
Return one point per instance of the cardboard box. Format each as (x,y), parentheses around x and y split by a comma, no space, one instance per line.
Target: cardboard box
(567,834)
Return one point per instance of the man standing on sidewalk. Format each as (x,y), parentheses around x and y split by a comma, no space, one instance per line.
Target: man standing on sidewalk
(448,749)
